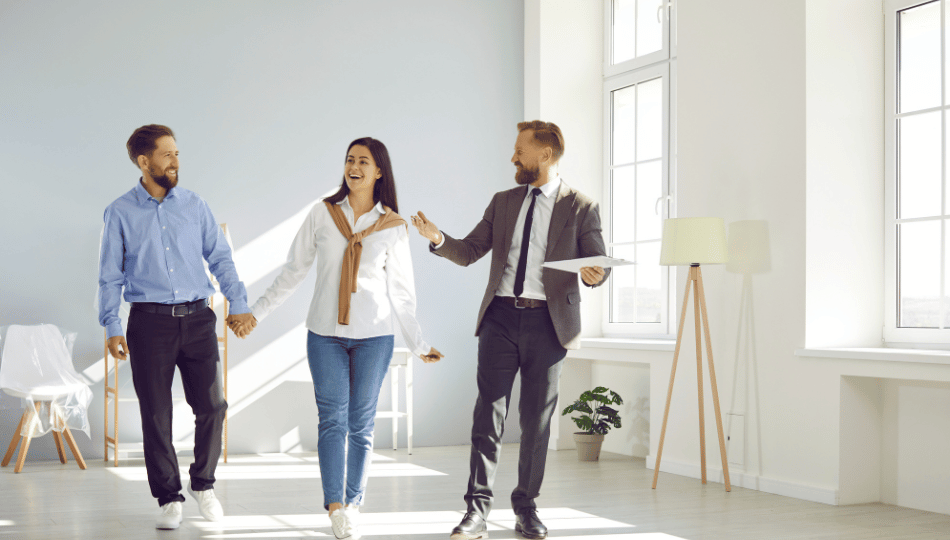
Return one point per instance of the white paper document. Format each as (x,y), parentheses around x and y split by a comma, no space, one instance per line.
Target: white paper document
(575,265)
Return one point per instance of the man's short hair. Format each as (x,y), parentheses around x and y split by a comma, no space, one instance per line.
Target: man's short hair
(142,141)
(546,133)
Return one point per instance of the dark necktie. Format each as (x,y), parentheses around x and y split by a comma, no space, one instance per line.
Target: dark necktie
(525,239)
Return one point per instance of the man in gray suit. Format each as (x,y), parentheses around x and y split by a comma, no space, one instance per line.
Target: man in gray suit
(529,316)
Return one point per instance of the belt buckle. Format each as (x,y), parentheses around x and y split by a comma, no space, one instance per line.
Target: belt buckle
(184,310)
(518,303)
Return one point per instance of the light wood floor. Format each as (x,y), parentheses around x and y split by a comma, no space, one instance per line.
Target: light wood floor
(420,497)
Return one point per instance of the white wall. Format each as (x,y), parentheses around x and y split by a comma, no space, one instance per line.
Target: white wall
(264,97)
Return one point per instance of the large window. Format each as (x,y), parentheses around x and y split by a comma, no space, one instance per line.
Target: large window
(639,75)
(917,304)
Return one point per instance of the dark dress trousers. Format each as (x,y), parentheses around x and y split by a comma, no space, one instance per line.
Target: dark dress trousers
(532,340)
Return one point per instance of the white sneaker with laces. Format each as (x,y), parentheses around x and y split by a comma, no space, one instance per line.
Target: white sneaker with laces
(208,504)
(170,518)
(343,527)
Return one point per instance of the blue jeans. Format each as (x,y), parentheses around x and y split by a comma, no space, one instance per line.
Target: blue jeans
(347,375)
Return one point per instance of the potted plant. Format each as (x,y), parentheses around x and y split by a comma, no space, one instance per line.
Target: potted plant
(596,421)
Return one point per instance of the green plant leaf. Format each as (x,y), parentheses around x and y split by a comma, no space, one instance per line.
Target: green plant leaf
(600,389)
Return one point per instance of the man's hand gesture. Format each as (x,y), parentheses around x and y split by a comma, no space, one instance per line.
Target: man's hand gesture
(426,228)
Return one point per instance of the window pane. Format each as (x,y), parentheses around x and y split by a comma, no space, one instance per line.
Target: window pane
(625,35)
(622,201)
(649,189)
(623,297)
(649,119)
(649,283)
(649,29)
(918,183)
(919,57)
(624,125)
(919,274)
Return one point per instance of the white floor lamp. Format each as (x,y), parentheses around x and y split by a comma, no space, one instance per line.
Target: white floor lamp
(695,241)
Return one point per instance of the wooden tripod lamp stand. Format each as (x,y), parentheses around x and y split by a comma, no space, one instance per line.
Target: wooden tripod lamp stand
(695,241)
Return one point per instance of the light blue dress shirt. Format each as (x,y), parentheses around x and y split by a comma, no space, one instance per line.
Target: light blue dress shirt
(155,250)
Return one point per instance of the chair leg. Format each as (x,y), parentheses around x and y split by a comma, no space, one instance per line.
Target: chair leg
(59,447)
(75,449)
(15,440)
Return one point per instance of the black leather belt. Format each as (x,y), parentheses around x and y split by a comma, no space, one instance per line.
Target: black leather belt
(175,310)
(522,303)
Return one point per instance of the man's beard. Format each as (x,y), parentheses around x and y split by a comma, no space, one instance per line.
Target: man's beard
(163,180)
(525,176)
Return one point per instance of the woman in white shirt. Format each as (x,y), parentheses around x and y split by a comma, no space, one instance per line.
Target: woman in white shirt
(363,281)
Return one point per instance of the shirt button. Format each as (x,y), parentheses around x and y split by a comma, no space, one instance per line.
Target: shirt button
(173,269)
(163,226)
(166,249)
(176,292)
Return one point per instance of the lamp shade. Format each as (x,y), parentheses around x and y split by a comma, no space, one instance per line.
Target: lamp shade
(693,241)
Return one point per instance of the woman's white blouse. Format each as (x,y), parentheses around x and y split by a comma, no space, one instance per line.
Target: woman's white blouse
(384,282)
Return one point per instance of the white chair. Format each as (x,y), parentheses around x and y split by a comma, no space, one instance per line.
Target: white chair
(36,366)
(402,359)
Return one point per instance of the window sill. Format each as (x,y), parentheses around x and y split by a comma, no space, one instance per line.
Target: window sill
(920,356)
(636,344)
(625,350)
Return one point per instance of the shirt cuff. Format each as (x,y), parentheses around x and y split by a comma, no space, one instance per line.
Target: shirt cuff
(437,246)
(238,308)
(114,329)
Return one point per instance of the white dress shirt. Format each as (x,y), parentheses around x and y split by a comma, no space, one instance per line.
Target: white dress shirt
(537,245)
(384,281)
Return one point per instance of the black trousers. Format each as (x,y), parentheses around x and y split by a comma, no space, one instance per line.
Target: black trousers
(512,339)
(158,343)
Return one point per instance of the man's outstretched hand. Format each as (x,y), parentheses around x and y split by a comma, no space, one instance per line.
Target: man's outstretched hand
(426,228)
(241,324)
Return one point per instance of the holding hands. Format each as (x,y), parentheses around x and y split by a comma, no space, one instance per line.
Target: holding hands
(433,356)
(426,228)
(241,324)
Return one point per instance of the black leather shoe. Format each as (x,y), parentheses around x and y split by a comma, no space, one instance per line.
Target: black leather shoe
(471,527)
(528,524)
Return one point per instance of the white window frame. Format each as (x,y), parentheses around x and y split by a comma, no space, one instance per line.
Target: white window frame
(895,336)
(662,64)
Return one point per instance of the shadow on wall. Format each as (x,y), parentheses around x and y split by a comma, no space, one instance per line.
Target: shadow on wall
(749,254)
(277,421)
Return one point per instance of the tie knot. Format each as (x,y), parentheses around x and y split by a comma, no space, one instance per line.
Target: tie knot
(536,191)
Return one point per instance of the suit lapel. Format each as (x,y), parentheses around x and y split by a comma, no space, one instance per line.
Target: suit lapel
(514,201)
(562,211)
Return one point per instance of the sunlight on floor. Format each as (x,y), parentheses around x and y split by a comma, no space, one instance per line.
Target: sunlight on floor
(6,523)
(501,525)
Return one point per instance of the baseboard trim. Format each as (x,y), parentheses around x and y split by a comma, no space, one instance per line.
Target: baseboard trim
(748,481)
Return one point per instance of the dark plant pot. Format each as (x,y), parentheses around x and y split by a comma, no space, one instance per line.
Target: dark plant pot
(588,445)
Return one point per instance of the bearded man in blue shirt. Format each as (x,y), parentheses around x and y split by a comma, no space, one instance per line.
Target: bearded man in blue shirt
(155,240)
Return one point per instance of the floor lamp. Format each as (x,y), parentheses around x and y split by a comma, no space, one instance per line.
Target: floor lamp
(695,241)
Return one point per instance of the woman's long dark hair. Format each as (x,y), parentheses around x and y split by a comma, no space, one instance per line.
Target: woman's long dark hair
(384,190)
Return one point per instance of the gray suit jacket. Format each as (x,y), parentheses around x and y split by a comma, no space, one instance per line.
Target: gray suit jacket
(574,232)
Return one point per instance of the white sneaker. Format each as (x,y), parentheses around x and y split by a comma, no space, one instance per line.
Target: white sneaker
(353,513)
(343,527)
(208,504)
(170,517)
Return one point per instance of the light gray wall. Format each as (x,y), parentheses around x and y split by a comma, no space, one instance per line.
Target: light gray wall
(264,97)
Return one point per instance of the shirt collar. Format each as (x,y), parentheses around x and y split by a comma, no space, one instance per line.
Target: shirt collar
(551,188)
(378,206)
(143,195)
